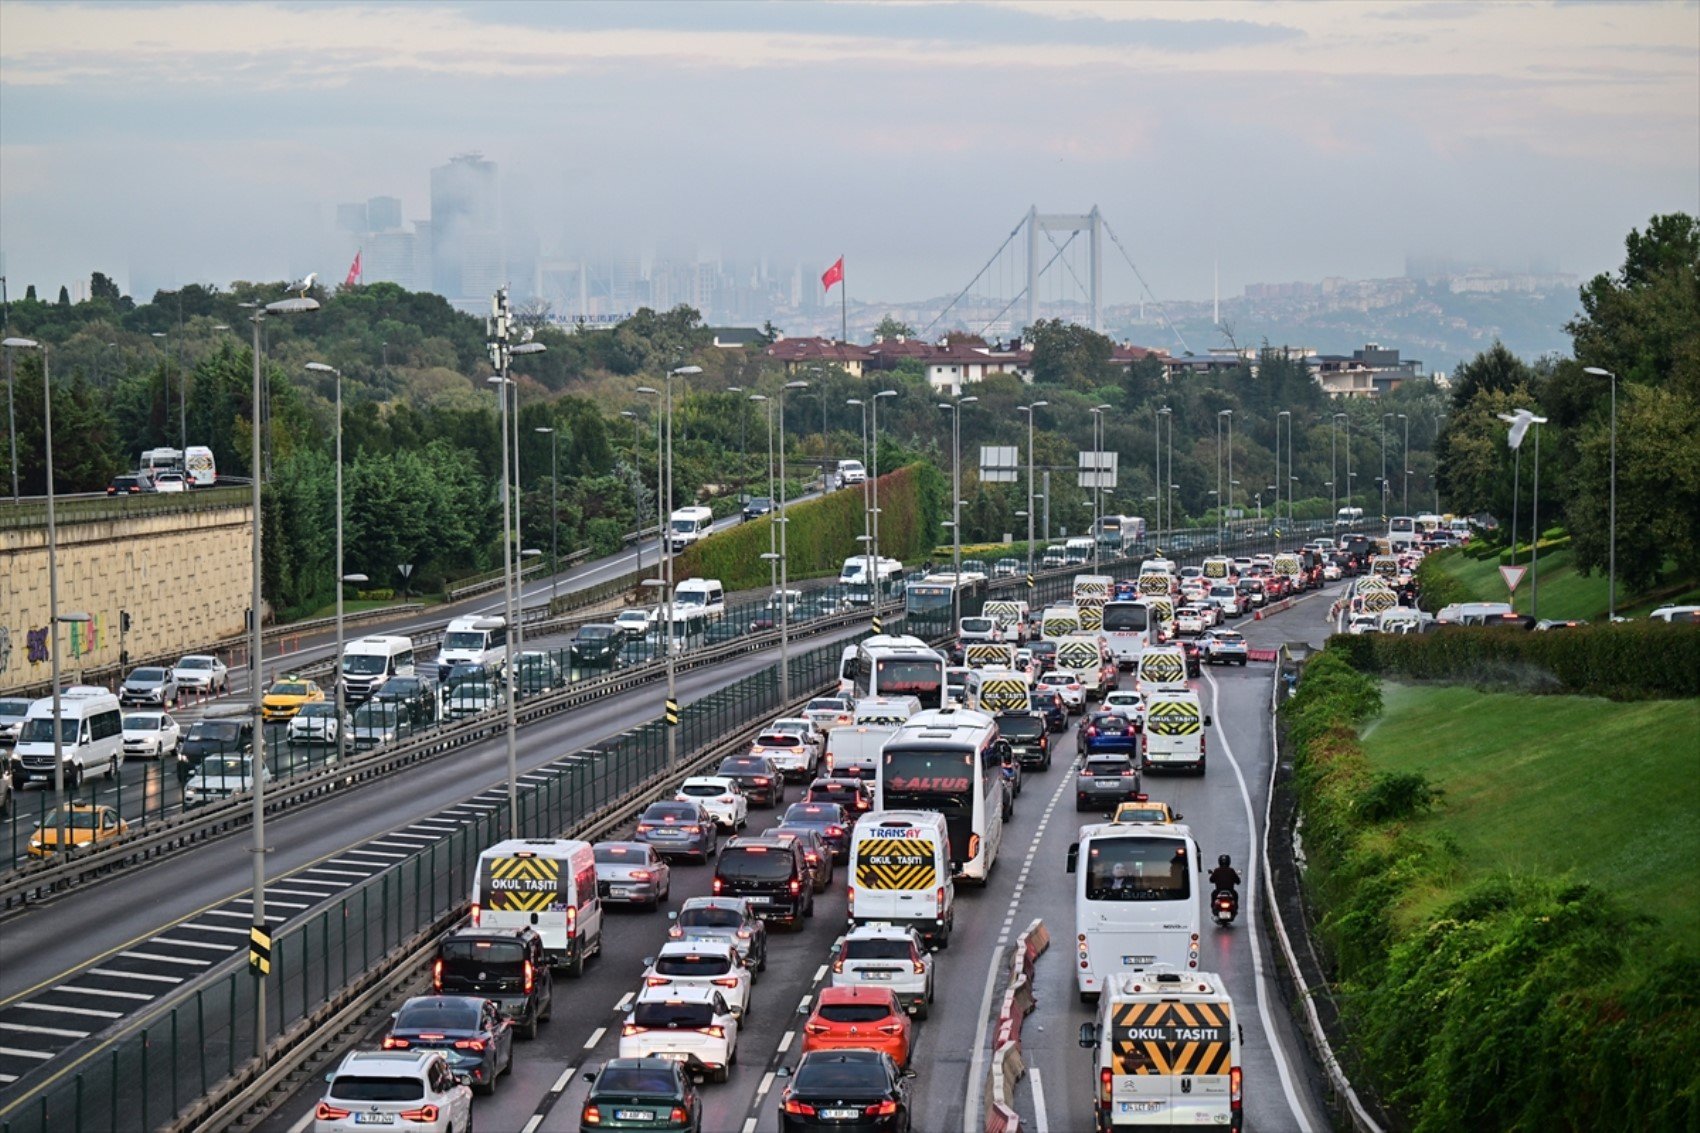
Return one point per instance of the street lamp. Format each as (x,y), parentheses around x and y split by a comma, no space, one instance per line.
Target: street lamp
(874,479)
(772,530)
(183,394)
(1028,512)
(1288,414)
(1405,463)
(1157,458)
(554,507)
(509,564)
(1611,592)
(11,415)
(783,552)
(341,696)
(1097,412)
(667,560)
(866,538)
(954,408)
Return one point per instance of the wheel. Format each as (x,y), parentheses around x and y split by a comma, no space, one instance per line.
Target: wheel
(485,1089)
(921,1007)
(508,1066)
(528,1029)
(761,965)
(76,776)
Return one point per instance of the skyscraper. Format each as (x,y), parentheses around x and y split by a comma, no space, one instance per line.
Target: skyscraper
(466,241)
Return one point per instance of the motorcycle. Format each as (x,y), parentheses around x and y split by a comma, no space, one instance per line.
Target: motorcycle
(1224,906)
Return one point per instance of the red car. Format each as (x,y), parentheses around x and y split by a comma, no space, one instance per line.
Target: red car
(859,1018)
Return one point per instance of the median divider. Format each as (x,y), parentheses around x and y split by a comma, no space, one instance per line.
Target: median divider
(1007,1064)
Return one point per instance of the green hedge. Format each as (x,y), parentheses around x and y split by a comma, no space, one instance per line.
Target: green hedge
(1637,660)
(823,532)
(1528,1003)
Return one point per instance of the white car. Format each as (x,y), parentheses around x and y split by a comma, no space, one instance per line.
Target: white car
(714,964)
(878,954)
(413,1090)
(828,712)
(811,734)
(317,723)
(1361,623)
(153,734)
(1128,703)
(637,622)
(1189,621)
(170,482)
(1331,571)
(1067,686)
(1227,600)
(693,1025)
(721,797)
(202,672)
(972,572)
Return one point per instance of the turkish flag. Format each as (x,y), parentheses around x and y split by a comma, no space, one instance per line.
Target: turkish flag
(353,272)
(833,274)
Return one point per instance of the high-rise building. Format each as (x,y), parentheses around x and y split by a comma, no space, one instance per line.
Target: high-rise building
(391,257)
(466,240)
(352,218)
(383,214)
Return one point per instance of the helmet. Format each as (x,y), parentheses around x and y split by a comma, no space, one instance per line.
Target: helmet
(1224,860)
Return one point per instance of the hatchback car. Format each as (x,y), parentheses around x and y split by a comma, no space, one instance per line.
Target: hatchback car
(678,828)
(473,1034)
(1006,568)
(632,873)
(725,920)
(720,796)
(790,750)
(149,685)
(1129,703)
(856,796)
(839,1089)
(859,1017)
(469,698)
(85,827)
(887,956)
(131,484)
(1104,781)
(636,622)
(154,734)
(702,963)
(641,1093)
(762,783)
(694,1026)
(319,723)
(395,1089)
(1106,731)
(218,777)
(829,819)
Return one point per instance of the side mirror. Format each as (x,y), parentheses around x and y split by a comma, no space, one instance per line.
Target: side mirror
(589,1076)
(673,914)
(1207,721)
(649,961)
(1073,856)
(1089,1035)
(1176,815)
(782,1072)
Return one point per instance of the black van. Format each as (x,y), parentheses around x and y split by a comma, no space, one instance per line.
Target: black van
(773,874)
(505,965)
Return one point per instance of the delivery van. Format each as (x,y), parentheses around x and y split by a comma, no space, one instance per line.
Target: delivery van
(900,873)
(1174,731)
(369,662)
(544,884)
(91,737)
(1165,1053)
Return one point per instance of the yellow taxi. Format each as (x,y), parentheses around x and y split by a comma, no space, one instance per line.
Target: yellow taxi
(84,826)
(286,696)
(1149,811)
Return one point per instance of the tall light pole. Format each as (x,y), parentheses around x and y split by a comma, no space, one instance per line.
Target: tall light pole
(337,678)
(1223,501)
(1334,465)
(1097,412)
(784,552)
(874,479)
(182,396)
(954,408)
(1157,480)
(1029,410)
(554,507)
(1405,463)
(11,415)
(509,558)
(867,537)
(1385,417)
(672,714)
(1611,552)
(1288,414)
(772,519)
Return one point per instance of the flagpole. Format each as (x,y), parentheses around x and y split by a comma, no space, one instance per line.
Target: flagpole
(843,304)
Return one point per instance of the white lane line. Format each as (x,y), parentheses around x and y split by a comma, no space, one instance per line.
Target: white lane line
(803,1004)
(361,874)
(7,1079)
(1260,978)
(301,1125)
(170,959)
(201,944)
(531,1125)
(625,1002)
(117,975)
(328,883)
(561,1082)
(595,1037)
(766,1085)
(30,1029)
(17,1052)
(749,1125)
(414,844)
(89,1011)
(1041,1119)
(786,1040)
(387,855)
(219,928)
(271,901)
(75,990)
(820,973)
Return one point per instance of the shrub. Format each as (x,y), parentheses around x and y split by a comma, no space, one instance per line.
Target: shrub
(383,594)
(1392,797)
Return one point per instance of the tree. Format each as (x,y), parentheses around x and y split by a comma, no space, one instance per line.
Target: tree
(1068,354)
(890,327)
(101,287)
(1642,323)
(1495,368)
(64,296)
(1475,468)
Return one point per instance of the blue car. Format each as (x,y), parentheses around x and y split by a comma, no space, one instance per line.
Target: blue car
(1050,706)
(829,820)
(1107,732)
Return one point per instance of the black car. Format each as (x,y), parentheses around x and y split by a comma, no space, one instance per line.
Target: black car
(815,851)
(756,506)
(856,796)
(1029,738)
(415,698)
(641,1093)
(505,965)
(1044,654)
(131,484)
(772,874)
(1050,705)
(845,1089)
(1194,655)
(762,782)
(829,819)
(213,737)
(597,646)
(472,1033)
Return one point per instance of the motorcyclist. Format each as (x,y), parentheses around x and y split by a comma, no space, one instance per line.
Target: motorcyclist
(1225,876)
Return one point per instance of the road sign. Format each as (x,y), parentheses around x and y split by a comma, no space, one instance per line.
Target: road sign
(1000,464)
(1512,575)
(1098,469)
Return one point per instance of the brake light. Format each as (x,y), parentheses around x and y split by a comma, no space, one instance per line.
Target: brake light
(591,1115)
(726,981)
(796,887)
(640,875)
(642,828)
(743,934)
(1086,773)
(477,915)
(572,927)
(393,1043)
(714,1032)
(718,886)
(631,1029)
(812,1028)
(891,1028)
(656,981)
(469,1044)
(326,1112)
(1106,1084)
(834,831)
(693,830)
(761,780)
(801,1109)
(678,1115)
(850,899)
(1234,1087)
(881,1109)
(425,1115)
(938,896)
(919,967)
(1090,732)
(437,975)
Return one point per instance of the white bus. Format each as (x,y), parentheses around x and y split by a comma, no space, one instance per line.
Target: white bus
(1136,901)
(1118,533)
(1401,533)
(898,665)
(950,762)
(1348,516)
(1127,631)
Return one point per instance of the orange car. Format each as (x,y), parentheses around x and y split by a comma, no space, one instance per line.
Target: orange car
(859,1018)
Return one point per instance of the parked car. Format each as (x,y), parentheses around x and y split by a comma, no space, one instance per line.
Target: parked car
(472,1032)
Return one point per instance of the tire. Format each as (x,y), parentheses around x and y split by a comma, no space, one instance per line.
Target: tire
(528,1029)
(921,1008)
(508,1066)
(762,965)
(485,1089)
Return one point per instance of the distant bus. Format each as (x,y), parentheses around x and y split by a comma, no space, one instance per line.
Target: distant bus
(198,466)
(1119,532)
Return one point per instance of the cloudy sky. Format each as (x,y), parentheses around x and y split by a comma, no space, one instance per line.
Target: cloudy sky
(211,141)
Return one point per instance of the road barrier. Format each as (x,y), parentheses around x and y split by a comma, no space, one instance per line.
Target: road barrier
(1007,1064)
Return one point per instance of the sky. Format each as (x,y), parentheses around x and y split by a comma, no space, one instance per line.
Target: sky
(1267,141)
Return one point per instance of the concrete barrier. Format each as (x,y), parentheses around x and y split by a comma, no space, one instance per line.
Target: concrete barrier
(1007,1069)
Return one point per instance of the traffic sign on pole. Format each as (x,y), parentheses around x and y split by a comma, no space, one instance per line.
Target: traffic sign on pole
(1512,575)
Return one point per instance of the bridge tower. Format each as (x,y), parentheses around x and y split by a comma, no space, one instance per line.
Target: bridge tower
(1092,224)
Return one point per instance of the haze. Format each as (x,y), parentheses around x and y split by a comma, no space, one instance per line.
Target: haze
(174,143)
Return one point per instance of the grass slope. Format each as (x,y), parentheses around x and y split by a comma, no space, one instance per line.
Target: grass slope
(1607,792)
(1564,591)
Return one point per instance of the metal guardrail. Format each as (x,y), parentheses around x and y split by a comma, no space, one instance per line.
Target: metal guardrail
(96,507)
(480,583)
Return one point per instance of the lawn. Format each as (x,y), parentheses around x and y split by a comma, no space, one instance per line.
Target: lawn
(1606,792)
(1564,591)
(358,605)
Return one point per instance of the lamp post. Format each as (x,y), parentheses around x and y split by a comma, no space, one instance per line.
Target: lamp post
(874,479)
(954,408)
(11,414)
(1288,414)
(1405,463)
(866,538)
(637,502)
(1157,480)
(500,381)
(1097,412)
(1385,487)
(1611,552)
(772,529)
(337,679)
(667,560)
(1334,465)
(554,507)
(1029,410)
(784,551)
(182,395)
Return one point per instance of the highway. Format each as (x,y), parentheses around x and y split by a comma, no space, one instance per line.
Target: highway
(546,1089)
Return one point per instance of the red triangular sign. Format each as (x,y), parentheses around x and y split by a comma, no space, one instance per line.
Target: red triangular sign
(1512,575)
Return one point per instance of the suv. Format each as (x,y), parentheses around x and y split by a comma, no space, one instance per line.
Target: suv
(505,965)
(597,646)
(417,696)
(886,955)
(774,875)
(756,506)
(130,484)
(394,1088)
(762,783)
(213,737)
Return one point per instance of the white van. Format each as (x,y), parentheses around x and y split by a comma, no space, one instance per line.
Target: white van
(1162,667)
(853,749)
(900,873)
(91,736)
(1174,731)
(851,472)
(699,599)
(1014,616)
(1079,550)
(1166,1053)
(371,661)
(1348,516)
(688,524)
(199,467)
(476,639)
(544,884)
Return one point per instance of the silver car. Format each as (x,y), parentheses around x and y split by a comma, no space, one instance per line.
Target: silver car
(374,723)
(676,827)
(723,920)
(202,671)
(632,873)
(149,685)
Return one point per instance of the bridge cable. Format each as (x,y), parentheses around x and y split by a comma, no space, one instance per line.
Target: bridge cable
(1159,303)
(976,279)
(1023,291)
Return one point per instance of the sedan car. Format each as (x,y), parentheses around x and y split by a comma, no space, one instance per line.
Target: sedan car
(202,672)
(723,920)
(635,622)
(762,783)
(1225,647)
(859,1018)
(682,828)
(219,777)
(1106,731)
(286,696)
(831,1089)
(856,796)
(755,507)
(394,1089)
(1065,685)
(1149,811)
(720,796)
(692,1025)
(828,712)
(84,827)
(374,723)
(827,819)
(597,646)
(149,685)
(154,734)
(641,1093)
(319,723)
(473,1034)
(1104,781)
(632,873)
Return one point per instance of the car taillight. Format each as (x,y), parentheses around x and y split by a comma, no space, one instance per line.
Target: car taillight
(656,981)
(631,1029)
(393,1043)
(693,829)
(640,875)
(801,1109)
(726,981)
(850,900)
(437,976)
(1086,773)
(425,1115)
(743,934)
(796,886)
(718,886)
(530,977)
(835,831)
(676,932)
(469,1044)
(1106,1084)
(813,1028)
(1234,1087)
(796,751)
(572,924)
(1090,732)
(591,1116)
(881,1109)
(327,1112)
(714,1032)
(678,1115)
(644,828)
(761,780)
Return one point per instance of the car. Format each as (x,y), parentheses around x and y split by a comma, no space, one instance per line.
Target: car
(635,622)
(1043,654)
(413,1090)
(1227,600)
(1129,703)
(791,749)
(883,955)
(632,873)
(155,734)
(1065,685)
(467,699)
(170,482)
(1148,811)
(537,672)
(830,1089)
(85,827)
(220,776)
(828,712)
(855,795)
(956,683)
(755,507)
(506,965)
(1189,621)
(702,963)
(597,645)
(1106,731)
(815,851)
(859,1017)
(201,672)
(972,572)
(473,1034)
(727,920)
(1225,647)
(1194,656)
(1050,706)
(375,723)
(829,819)
(13,709)
(319,723)
(150,684)
(1029,738)
(131,484)
(693,1025)
(286,696)
(1007,568)
(1361,623)
(417,696)
(641,1093)
(1546,624)
(1105,780)
(762,783)
(773,873)
(1253,591)
(213,736)
(678,828)
(720,796)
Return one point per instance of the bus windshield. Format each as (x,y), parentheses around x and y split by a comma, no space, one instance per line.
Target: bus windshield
(1138,869)
(1126,617)
(928,779)
(899,676)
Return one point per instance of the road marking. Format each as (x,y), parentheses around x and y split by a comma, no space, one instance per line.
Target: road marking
(89,1011)
(115,974)
(7,1078)
(343,872)
(144,997)
(17,1052)
(30,1029)
(820,973)
(766,1085)
(561,1082)
(625,1002)
(201,944)
(1259,978)
(803,1004)
(301,1125)
(170,959)
(786,1040)
(749,1125)
(388,855)
(531,1126)
(595,1037)
(1041,1119)
(221,928)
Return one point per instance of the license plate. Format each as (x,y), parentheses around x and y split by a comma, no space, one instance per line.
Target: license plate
(841,1114)
(374,1119)
(876,975)
(633,1115)
(1140,1107)
(672,1056)
(1131,961)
